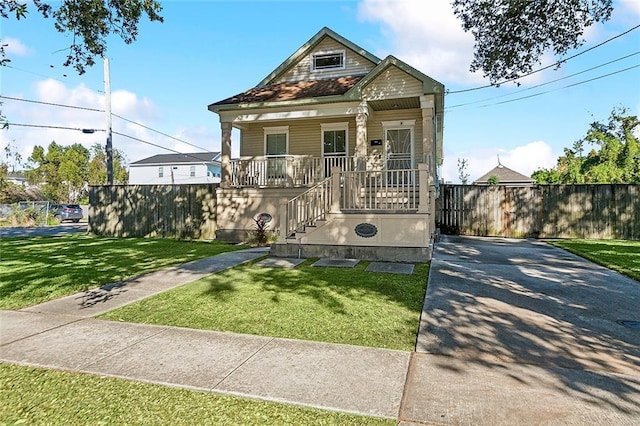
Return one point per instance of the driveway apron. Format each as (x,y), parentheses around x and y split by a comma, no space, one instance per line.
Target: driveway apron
(520,332)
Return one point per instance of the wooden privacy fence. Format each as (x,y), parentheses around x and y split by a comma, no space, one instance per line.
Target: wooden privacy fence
(168,211)
(598,211)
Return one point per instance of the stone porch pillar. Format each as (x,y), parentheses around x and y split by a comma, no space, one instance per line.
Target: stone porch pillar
(225,155)
(361,137)
(428,132)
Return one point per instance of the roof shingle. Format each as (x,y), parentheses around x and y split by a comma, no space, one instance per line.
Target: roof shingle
(192,157)
(293,90)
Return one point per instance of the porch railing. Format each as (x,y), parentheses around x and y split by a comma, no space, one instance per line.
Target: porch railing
(408,191)
(285,171)
(309,207)
(380,190)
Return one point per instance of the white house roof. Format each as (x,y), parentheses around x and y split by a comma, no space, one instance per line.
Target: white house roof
(187,158)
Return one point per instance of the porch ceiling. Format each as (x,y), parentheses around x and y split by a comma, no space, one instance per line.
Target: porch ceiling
(391,104)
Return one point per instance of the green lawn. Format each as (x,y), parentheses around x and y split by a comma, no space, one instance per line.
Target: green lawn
(37,269)
(619,255)
(340,305)
(33,396)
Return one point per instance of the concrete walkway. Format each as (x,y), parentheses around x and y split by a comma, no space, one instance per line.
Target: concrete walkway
(512,332)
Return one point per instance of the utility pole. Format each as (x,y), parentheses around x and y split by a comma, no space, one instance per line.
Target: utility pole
(107,101)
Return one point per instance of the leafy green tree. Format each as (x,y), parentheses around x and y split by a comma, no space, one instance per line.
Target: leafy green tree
(614,158)
(90,22)
(512,35)
(62,171)
(98,167)
(493,180)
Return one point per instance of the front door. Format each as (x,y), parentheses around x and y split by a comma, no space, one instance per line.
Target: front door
(399,154)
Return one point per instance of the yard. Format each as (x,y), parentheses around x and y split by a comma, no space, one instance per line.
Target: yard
(39,396)
(339,305)
(38,269)
(619,255)
(324,304)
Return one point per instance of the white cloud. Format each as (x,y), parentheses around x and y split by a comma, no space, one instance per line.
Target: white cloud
(14,47)
(524,159)
(124,103)
(425,34)
(628,6)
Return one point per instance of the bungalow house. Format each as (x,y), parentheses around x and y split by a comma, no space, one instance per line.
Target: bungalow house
(339,149)
(176,169)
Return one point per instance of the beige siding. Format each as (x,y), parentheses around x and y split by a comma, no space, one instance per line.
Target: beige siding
(355,64)
(392,83)
(304,136)
(374,130)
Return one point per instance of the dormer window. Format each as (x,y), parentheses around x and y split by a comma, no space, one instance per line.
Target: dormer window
(327,61)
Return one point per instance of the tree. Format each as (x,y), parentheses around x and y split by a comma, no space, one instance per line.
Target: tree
(60,170)
(512,35)
(98,167)
(463,163)
(90,22)
(493,180)
(614,158)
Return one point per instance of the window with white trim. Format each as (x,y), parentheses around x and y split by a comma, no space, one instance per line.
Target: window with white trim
(334,139)
(276,147)
(192,171)
(322,61)
(160,171)
(276,141)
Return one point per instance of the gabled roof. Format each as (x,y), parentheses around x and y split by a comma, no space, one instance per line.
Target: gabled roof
(308,46)
(504,175)
(289,91)
(344,88)
(188,158)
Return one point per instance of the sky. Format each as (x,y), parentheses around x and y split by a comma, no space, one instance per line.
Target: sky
(206,51)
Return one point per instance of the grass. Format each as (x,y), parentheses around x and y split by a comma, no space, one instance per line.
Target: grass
(39,396)
(39,269)
(340,305)
(619,255)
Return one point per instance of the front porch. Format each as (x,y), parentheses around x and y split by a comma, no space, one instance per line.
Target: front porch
(333,206)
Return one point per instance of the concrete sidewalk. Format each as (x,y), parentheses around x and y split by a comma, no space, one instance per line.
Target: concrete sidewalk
(60,334)
(520,332)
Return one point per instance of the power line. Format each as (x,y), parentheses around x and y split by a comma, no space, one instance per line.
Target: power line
(159,132)
(560,88)
(43,126)
(158,146)
(558,63)
(545,84)
(51,104)
(101,110)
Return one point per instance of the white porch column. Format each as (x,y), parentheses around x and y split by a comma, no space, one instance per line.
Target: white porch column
(361,137)
(428,135)
(225,155)
(423,194)
(335,190)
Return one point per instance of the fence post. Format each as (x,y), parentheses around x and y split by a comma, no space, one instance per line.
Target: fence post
(425,184)
(335,189)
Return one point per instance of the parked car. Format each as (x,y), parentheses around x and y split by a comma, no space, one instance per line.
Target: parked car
(64,212)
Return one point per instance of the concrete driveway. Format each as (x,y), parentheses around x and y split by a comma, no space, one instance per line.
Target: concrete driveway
(520,332)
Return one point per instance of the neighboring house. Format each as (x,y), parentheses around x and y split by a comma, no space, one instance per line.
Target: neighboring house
(176,169)
(17,178)
(504,176)
(340,148)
